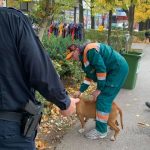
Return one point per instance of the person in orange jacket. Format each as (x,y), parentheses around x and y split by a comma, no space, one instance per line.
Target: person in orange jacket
(60,29)
(50,30)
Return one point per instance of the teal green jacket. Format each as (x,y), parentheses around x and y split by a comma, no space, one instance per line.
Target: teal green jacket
(102,61)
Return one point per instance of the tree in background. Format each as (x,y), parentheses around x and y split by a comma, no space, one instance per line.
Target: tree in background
(52,9)
(91,5)
(142,15)
(81,19)
(106,6)
(46,11)
(129,7)
(13,3)
(92,15)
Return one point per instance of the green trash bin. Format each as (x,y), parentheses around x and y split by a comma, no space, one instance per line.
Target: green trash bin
(133,60)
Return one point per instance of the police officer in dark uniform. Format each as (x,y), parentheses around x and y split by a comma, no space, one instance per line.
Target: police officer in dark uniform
(24,68)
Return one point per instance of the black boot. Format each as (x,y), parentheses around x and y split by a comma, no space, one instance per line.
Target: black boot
(147,104)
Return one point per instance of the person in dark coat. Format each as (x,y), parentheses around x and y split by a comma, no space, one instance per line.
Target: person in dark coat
(24,68)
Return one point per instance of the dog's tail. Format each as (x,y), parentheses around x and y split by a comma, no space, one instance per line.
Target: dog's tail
(121,116)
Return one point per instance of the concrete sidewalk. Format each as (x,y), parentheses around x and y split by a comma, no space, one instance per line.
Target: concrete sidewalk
(133,136)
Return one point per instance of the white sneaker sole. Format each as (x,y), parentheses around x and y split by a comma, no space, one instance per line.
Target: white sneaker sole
(95,137)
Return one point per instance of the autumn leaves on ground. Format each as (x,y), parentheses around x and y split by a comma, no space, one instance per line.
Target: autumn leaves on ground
(52,129)
(53,125)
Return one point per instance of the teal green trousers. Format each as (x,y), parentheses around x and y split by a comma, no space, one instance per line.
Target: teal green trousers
(104,100)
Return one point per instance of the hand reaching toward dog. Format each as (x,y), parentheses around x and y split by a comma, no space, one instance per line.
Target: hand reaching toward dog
(72,108)
(95,94)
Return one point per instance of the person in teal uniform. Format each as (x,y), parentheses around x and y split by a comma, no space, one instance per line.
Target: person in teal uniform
(105,66)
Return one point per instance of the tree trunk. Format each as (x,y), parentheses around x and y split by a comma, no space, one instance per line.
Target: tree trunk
(81,12)
(92,22)
(131,18)
(42,29)
(131,22)
(81,19)
(47,6)
(109,27)
(92,16)
(52,3)
(75,12)
(147,24)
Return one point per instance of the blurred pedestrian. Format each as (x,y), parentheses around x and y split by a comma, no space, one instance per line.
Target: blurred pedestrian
(50,30)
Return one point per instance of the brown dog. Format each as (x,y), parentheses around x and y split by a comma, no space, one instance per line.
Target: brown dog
(86,109)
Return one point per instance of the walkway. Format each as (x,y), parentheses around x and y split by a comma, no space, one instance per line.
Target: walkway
(133,136)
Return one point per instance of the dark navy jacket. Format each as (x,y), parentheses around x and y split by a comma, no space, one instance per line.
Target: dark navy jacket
(24,65)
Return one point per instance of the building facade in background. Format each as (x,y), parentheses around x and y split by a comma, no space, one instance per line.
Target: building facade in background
(119,19)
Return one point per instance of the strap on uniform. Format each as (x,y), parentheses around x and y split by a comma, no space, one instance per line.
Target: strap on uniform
(11,116)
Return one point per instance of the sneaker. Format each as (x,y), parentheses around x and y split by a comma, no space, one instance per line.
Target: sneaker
(94,135)
(147,104)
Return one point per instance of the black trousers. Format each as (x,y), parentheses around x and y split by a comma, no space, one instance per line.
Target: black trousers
(11,138)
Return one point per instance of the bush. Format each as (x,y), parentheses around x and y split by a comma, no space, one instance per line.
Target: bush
(117,42)
(140,35)
(56,47)
(96,36)
(117,39)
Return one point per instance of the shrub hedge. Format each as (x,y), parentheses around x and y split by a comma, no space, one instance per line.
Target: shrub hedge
(117,39)
(56,47)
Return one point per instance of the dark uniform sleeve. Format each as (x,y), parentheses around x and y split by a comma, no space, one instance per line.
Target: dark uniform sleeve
(38,67)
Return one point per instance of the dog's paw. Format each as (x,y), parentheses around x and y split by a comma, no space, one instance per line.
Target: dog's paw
(112,138)
(81,130)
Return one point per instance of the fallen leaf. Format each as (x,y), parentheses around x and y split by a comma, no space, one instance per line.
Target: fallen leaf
(45,118)
(143,124)
(147,125)
(128,104)
(40,144)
